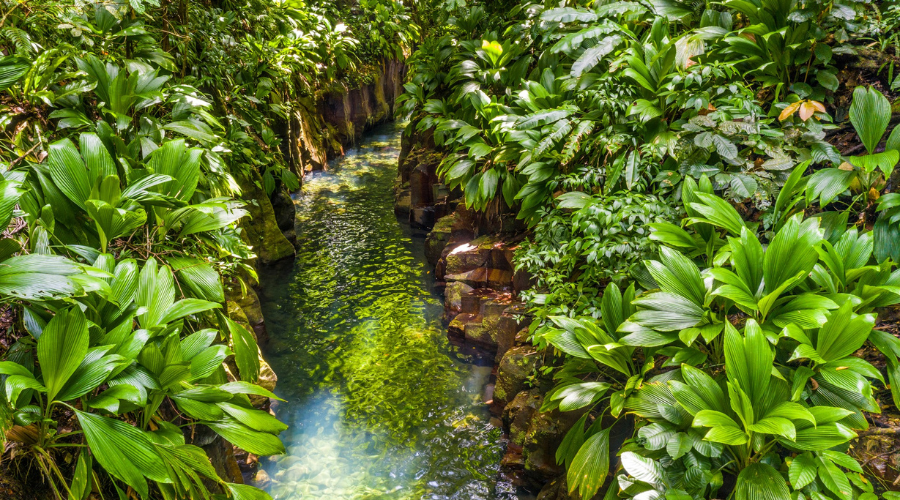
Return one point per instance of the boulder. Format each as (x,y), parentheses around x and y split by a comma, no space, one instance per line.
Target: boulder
(465,257)
(422,217)
(248,309)
(538,433)
(511,321)
(517,365)
(421,180)
(453,296)
(438,238)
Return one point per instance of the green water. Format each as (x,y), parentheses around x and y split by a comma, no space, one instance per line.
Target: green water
(379,405)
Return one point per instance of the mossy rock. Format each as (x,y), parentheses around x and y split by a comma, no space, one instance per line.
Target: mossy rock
(517,365)
(260,230)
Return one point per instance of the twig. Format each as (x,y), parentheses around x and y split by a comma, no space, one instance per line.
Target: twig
(17,160)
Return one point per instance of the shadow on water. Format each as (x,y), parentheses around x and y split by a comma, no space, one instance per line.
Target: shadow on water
(379,405)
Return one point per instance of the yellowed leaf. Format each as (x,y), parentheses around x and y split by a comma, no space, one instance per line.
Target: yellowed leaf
(788,111)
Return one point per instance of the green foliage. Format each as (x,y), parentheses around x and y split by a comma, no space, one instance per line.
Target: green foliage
(128,124)
(601,125)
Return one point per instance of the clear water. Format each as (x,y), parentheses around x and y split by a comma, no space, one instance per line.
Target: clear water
(379,405)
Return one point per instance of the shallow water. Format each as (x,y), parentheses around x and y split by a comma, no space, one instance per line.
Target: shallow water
(380,406)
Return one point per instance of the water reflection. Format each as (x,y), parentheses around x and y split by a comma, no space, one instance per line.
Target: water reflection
(380,407)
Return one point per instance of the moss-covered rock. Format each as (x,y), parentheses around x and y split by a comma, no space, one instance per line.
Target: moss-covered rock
(517,365)
(438,238)
(260,230)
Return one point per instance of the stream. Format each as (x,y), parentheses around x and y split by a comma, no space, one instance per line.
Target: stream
(379,404)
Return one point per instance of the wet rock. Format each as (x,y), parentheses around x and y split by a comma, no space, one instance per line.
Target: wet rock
(402,202)
(464,258)
(267,377)
(517,415)
(250,313)
(511,321)
(422,217)
(461,322)
(517,365)
(484,277)
(421,182)
(438,238)
(350,112)
(260,230)
(284,209)
(453,296)
(262,480)
(556,489)
(538,433)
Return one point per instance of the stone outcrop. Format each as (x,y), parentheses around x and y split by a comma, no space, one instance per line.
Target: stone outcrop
(260,230)
(319,129)
(316,131)
(472,254)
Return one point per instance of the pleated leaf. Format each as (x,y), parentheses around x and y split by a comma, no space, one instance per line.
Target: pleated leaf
(253,418)
(61,348)
(870,113)
(760,481)
(592,56)
(590,467)
(246,352)
(68,172)
(124,451)
(258,443)
(244,492)
(38,276)
(802,470)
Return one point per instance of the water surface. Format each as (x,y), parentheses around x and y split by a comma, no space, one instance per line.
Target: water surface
(379,405)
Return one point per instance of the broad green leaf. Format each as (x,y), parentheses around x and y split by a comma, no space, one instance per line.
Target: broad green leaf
(802,470)
(834,479)
(726,435)
(68,172)
(760,481)
(711,418)
(255,419)
(775,425)
(258,443)
(61,348)
(870,113)
(643,469)
(124,451)
(186,307)
(590,467)
(35,277)
(246,352)
(244,492)
(592,56)
(822,437)
(749,359)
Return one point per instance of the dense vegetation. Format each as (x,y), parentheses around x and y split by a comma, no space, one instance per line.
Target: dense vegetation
(713,229)
(131,129)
